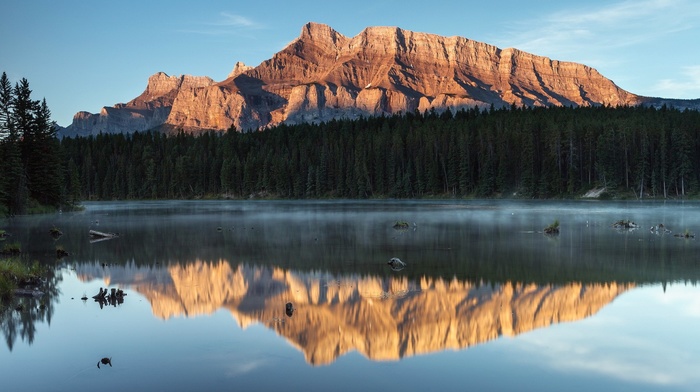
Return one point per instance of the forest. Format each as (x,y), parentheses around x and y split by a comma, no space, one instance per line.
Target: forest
(555,152)
(514,152)
(31,163)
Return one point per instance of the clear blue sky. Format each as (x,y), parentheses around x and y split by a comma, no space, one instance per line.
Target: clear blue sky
(83,55)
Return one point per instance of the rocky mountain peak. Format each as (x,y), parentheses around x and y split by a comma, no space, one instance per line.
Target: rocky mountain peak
(324,75)
(238,69)
(160,84)
(319,33)
(148,110)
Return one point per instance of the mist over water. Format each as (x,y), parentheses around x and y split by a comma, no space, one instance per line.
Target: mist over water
(477,272)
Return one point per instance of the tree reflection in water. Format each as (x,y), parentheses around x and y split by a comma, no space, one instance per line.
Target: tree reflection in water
(18,318)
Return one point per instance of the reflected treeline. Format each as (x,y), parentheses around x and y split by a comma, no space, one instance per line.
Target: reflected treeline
(382,317)
(472,243)
(19,317)
(331,264)
(494,254)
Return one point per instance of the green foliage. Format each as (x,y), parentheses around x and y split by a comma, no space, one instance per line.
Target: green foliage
(401,224)
(7,289)
(528,152)
(14,273)
(553,228)
(11,248)
(34,207)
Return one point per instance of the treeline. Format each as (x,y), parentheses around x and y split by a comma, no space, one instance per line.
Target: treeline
(522,152)
(31,165)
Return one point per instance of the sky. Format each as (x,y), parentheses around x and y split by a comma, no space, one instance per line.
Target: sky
(83,55)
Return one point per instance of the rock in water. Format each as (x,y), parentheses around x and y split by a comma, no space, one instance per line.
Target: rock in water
(396,264)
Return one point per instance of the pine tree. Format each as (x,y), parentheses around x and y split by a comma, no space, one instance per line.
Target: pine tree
(682,164)
(73,191)
(5,107)
(43,161)
(13,184)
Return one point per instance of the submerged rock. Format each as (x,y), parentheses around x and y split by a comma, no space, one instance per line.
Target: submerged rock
(55,232)
(625,224)
(401,225)
(552,229)
(396,264)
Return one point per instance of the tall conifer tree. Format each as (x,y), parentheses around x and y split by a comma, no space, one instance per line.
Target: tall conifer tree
(14,184)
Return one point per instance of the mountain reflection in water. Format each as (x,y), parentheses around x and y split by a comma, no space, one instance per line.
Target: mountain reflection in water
(382,317)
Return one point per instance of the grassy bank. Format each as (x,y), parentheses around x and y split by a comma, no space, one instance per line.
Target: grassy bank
(14,274)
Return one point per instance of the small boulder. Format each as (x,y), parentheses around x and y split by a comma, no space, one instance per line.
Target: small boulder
(396,264)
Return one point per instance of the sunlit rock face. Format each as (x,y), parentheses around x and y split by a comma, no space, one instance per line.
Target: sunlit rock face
(324,75)
(147,111)
(384,318)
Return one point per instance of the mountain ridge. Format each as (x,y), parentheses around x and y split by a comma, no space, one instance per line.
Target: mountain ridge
(323,75)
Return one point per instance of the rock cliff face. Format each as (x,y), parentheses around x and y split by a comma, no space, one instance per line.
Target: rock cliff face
(383,318)
(323,75)
(147,111)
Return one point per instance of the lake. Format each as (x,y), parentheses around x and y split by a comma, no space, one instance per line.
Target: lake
(485,301)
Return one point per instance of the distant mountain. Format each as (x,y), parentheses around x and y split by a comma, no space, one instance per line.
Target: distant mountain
(323,75)
(148,110)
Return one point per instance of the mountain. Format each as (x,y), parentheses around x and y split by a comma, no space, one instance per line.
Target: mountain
(324,75)
(147,111)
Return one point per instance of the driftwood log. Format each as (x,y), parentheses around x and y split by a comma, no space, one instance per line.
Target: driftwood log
(99,234)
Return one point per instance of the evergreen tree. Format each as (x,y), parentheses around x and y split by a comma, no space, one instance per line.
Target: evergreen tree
(73,191)
(541,152)
(5,107)
(643,163)
(13,186)
(43,161)
(682,163)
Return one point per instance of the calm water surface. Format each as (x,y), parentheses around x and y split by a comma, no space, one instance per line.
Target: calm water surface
(485,302)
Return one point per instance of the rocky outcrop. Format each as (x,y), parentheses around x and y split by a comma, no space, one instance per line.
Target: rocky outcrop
(324,75)
(383,318)
(238,69)
(149,110)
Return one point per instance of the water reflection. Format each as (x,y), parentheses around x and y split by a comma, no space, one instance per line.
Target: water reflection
(381,317)
(473,271)
(19,317)
(497,242)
